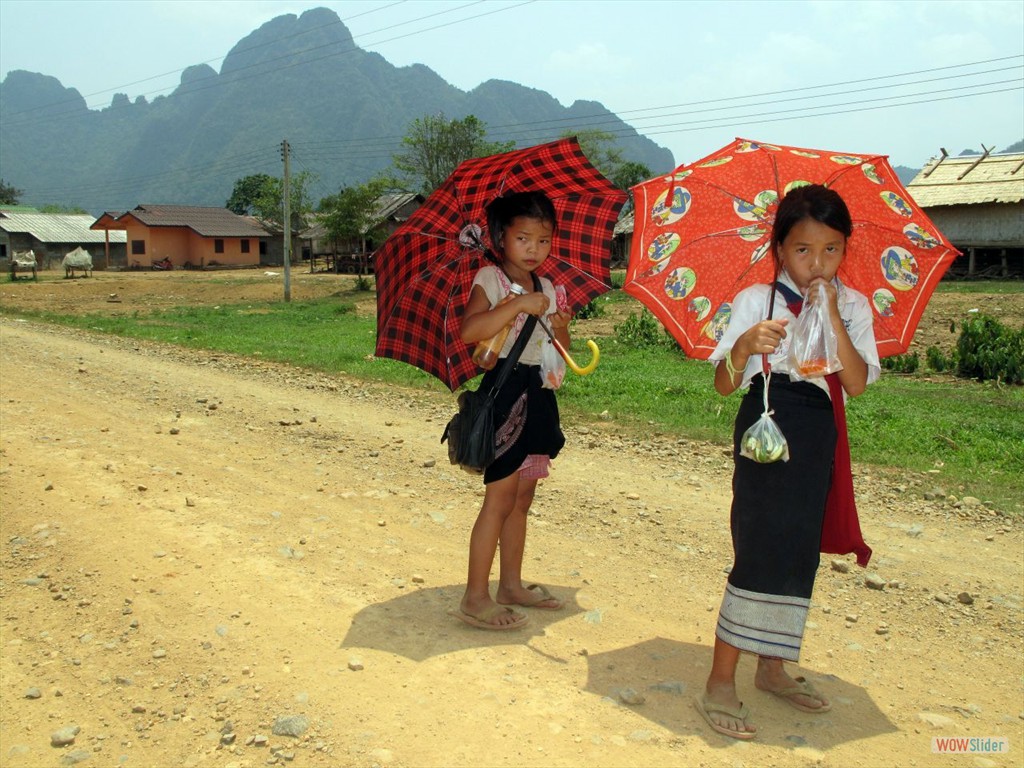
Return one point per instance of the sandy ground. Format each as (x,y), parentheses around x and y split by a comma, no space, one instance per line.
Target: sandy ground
(199,551)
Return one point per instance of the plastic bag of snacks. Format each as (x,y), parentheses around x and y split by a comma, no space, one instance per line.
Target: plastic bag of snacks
(763,441)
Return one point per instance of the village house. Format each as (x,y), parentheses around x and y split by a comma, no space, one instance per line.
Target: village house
(349,255)
(50,236)
(191,237)
(622,240)
(977,202)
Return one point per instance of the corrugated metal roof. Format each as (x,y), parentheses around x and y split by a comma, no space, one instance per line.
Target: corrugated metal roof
(952,180)
(387,205)
(207,222)
(56,227)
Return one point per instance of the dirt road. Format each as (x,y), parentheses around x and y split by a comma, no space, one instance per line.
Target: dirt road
(198,551)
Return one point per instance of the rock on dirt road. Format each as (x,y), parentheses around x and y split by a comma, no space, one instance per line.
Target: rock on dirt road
(214,561)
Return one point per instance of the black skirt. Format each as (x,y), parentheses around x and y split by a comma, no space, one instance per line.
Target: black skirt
(526,420)
(776,519)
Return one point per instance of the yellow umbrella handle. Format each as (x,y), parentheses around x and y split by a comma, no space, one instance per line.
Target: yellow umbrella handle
(578,370)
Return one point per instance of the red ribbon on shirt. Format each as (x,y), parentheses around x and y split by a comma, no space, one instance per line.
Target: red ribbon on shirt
(840,532)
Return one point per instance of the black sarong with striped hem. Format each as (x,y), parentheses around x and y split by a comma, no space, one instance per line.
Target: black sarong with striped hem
(526,421)
(777,514)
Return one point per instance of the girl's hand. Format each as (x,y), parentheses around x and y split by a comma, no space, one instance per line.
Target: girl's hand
(763,338)
(831,297)
(559,320)
(533,303)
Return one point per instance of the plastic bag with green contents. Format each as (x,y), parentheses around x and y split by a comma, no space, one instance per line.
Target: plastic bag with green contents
(763,441)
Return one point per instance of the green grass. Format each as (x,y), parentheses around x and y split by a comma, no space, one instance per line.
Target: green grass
(972,433)
(980,286)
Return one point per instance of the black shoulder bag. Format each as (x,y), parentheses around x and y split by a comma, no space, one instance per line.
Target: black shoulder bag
(470,433)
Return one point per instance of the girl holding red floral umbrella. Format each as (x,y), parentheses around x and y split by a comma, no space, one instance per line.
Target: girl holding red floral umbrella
(779,507)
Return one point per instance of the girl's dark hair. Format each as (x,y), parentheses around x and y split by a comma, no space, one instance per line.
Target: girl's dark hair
(813,201)
(502,210)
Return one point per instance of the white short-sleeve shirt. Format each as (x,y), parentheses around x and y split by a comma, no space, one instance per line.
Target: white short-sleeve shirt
(751,307)
(497,286)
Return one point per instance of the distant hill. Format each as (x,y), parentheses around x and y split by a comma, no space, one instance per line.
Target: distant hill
(343,110)
(905,174)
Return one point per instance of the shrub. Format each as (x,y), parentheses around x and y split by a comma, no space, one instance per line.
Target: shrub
(363,283)
(987,349)
(643,331)
(901,363)
(937,360)
(590,310)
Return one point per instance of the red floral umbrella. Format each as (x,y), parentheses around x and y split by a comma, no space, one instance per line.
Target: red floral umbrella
(425,269)
(703,233)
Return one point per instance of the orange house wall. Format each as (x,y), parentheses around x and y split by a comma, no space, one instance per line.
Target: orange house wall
(203,248)
(181,245)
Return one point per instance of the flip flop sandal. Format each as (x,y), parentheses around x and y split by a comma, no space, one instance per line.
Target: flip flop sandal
(484,620)
(541,595)
(802,688)
(742,712)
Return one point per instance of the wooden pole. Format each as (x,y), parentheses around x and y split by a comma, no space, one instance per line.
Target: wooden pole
(287,227)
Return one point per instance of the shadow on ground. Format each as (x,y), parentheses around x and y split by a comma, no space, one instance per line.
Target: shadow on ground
(417,624)
(666,675)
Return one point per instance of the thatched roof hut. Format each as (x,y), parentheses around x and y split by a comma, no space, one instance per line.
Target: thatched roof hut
(977,201)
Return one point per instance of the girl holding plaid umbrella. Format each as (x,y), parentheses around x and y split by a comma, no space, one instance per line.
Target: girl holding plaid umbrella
(779,509)
(527,431)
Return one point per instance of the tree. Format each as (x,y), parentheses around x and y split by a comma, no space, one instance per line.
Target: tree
(434,147)
(351,215)
(54,208)
(247,190)
(9,195)
(268,205)
(629,174)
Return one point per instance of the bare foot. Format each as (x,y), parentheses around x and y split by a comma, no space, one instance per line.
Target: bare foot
(534,596)
(772,677)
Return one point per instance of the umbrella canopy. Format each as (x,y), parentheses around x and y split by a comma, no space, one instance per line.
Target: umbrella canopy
(703,234)
(426,267)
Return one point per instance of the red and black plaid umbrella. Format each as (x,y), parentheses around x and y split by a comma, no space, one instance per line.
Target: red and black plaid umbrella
(425,269)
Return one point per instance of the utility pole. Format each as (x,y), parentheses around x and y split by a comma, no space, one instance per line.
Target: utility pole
(287,226)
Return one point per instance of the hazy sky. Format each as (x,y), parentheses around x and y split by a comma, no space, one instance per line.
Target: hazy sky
(898,78)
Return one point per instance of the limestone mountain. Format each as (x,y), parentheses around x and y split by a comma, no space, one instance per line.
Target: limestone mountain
(302,78)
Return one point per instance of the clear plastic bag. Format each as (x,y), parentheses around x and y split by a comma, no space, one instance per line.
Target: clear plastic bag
(814,347)
(763,441)
(552,366)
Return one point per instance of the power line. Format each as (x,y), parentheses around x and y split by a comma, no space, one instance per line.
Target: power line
(610,117)
(378,148)
(371,148)
(309,158)
(836,85)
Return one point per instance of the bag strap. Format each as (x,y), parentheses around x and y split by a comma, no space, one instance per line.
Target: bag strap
(517,348)
(790,296)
